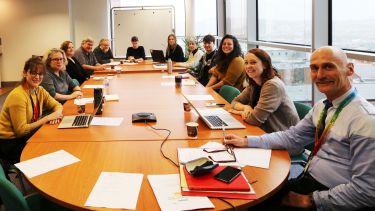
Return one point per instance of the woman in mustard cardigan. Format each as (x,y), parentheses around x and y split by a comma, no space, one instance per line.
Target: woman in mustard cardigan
(22,113)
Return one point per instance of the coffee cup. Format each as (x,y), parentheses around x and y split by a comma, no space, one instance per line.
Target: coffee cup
(81,107)
(178,80)
(192,130)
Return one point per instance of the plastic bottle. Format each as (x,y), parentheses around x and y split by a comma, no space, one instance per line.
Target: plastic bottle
(169,65)
(106,86)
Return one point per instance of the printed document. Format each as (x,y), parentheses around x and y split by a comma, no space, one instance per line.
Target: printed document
(116,190)
(199,97)
(168,194)
(46,163)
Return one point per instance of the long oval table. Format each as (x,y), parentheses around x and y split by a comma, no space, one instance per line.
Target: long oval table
(135,147)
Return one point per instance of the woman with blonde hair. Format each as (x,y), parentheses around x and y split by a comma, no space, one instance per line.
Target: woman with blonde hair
(174,50)
(22,112)
(57,82)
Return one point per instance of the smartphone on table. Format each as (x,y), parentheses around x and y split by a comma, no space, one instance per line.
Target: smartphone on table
(228,174)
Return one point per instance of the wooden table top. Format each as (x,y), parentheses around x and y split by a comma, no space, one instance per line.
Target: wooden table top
(72,184)
(141,67)
(134,147)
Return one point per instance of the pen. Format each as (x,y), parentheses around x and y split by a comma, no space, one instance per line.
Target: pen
(220,104)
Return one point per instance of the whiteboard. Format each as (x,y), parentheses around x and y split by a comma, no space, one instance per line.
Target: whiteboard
(151,25)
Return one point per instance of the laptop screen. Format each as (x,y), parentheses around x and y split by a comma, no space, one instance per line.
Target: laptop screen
(157,55)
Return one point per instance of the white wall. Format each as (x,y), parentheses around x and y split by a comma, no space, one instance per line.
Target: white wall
(32,27)
(27,28)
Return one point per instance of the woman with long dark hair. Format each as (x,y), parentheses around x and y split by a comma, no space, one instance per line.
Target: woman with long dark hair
(264,102)
(229,65)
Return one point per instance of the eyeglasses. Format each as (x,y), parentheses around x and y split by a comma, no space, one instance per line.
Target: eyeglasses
(226,155)
(57,59)
(34,74)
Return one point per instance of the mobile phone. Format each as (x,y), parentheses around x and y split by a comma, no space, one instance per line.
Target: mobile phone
(228,174)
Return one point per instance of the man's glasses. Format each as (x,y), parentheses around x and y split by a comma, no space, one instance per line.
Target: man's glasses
(220,156)
(57,59)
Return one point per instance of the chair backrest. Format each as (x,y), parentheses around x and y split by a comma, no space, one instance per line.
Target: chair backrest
(10,195)
(229,92)
(302,109)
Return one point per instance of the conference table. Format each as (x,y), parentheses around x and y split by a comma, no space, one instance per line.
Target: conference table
(136,147)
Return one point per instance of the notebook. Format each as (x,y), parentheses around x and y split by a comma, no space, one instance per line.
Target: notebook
(217,118)
(157,55)
(78,121)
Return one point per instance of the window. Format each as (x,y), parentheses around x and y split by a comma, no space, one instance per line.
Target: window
(287,21)
(293,66)
(364,78)
(352,24)
(206,17)
(236,18)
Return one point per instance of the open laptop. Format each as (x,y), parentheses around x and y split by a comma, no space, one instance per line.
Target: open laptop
(157,55)
(216,118)
(78,121)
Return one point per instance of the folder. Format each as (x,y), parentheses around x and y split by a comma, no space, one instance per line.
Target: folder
(185,191)
(208,182)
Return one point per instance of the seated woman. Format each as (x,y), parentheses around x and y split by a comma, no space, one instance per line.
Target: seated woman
(195,54)
(56,81)
(174,50)
(74,68)
(264,102)
(22,111)
(135,52)
(229,68)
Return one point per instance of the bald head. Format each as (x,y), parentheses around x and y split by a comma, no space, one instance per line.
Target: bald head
(330,71)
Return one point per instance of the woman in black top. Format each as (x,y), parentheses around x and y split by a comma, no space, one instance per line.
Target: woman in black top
(174,50)
(74,68)
(135,52)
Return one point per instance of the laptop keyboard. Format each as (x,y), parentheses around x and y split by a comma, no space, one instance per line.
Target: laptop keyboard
(80,120)
(216,121)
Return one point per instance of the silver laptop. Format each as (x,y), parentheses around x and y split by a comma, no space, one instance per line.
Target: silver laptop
(78,121)
(217,118)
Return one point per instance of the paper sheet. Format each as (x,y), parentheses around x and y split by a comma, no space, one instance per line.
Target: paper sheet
(113,63)
(185,82)
(114,69)
(160,66)
(88,86)
(212,145)
(168,194)
(183,76)
(116,190)
(86,100)
(46,163)
(98,78)
(253,157)
(107,121)
(199,97)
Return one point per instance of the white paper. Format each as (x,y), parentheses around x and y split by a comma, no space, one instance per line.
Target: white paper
(160,66)
(168,194)
(107,121)
(112,97)
(98,78)
(113,63)
(253,157)
(188,154)
(116,190)
(46,163)
(185,82)
(88,86)
(167,76)
(213,145)
(183,76)
(199,97)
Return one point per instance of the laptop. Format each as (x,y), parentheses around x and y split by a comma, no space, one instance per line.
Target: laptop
(157,55)
(217,118)
(78,121)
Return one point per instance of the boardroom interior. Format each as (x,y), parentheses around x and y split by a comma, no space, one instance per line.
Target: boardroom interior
(288,33)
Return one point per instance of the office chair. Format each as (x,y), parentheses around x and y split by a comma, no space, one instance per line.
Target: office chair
(9,168)
(13,199)
(299,161)
(229,92)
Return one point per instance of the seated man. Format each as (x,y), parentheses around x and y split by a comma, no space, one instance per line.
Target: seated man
(103,52)
(135,52)
(86,57)
(207,61)
(340,174)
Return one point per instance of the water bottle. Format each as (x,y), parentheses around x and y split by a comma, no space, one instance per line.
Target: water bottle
(169,65)
(106,86)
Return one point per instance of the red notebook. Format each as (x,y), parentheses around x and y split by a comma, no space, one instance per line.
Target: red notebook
(207,182)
